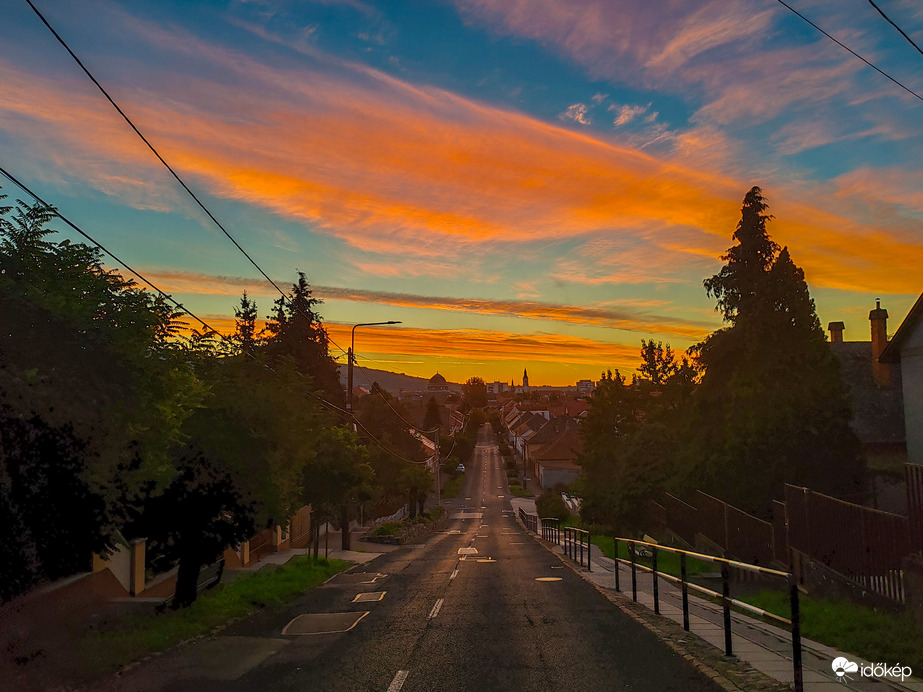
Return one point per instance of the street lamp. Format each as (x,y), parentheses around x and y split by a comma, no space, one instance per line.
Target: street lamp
(350,357)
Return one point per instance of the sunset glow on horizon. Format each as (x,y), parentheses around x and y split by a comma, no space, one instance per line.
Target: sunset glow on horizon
(522,184)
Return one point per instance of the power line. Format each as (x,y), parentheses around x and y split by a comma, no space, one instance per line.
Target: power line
(901,31)
(847,48)
(160,158)
(345,415)
(6,174)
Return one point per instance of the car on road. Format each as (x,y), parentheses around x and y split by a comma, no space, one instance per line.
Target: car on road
(460,468)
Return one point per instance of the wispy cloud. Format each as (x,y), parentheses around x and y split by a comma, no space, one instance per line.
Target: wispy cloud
(474,344)
(628,318)
(624,114)
(576,112)
(396,168)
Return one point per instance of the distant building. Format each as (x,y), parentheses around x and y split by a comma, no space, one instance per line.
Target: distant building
(437,383)
(525,380)
(585,387)
(494,388)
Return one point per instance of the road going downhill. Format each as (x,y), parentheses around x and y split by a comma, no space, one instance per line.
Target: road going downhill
(481,606)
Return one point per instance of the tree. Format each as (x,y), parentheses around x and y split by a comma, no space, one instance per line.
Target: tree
(475,391)
(246,336)
(658,364)
(418,482)
(772,408)
(432,419)
(339,479)
(297,331)
(628,451)
(94,391)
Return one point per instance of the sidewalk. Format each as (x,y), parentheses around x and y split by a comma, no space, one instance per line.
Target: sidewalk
(765,647)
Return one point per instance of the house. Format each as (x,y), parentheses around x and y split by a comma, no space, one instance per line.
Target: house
(553,451)
(905,353)
(875,386)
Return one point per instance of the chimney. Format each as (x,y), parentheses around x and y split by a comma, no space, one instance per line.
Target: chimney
(879,321)
(836,332)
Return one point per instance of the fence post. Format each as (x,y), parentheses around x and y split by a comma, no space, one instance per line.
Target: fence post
(796,634)
(726,601)
(654,577)
(615,544)
(589,548)
(682,573)
(634,576)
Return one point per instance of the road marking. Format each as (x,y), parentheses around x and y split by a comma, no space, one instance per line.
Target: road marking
(369,597)
(467,551)
(323,623)
(485,559)
(435,611)
(398,681)
(548,579)
(454,574)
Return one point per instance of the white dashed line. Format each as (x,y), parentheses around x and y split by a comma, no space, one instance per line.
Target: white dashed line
(435,611)
(398,681)
(454,574)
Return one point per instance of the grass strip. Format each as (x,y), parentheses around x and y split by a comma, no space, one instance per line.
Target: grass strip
(519,491)
(453,487)
(878,636)
(118,642)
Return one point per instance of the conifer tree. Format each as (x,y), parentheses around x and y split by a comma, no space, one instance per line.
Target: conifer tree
(771,408)
(296,330)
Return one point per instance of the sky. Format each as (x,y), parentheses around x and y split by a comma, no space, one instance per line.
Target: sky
(533,184)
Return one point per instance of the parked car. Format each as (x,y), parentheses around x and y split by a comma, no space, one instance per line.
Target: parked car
(460,468)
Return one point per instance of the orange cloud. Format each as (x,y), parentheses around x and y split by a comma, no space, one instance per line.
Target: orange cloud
(473,345)
(395,168)
(628,317)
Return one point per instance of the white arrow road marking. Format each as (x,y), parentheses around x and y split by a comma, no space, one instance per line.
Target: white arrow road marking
(435,611)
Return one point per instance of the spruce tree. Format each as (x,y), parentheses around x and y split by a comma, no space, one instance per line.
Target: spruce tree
(772,408)
(297,331)
(245,334)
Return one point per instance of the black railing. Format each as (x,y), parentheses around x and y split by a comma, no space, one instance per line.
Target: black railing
(551,529)
(576,543)
(530,521)
(794,624)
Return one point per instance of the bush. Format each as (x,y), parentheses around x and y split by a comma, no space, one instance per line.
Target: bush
(551,504)
(388,528)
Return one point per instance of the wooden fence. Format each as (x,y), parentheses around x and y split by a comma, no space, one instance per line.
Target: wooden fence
(864,544)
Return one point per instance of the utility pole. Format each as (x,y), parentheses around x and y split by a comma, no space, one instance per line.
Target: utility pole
(438,471)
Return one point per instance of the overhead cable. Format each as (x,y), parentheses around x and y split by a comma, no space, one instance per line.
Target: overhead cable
(901,31)
(847,48)
(159,157)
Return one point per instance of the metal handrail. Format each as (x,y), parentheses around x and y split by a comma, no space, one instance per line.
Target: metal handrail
(726,601)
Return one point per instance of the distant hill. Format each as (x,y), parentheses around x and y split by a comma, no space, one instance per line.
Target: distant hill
(392,382)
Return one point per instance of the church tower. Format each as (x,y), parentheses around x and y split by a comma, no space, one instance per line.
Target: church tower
(525,380)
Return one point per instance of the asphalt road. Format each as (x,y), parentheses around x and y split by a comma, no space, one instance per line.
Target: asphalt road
(464,611)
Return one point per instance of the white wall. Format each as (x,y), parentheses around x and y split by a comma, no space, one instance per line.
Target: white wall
(912,381)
